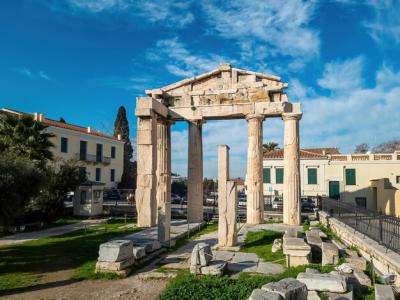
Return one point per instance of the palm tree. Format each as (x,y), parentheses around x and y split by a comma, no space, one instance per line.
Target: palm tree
(270,146)
(24,136)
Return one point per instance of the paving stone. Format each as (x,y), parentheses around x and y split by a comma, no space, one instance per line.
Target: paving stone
(223,255)
(116,250)
(259,294)
(269,268)
(241,257)
(383,292)
(243,267)
(345,268)
(330,254)
(138,252)
(288,288)
(313,295)
(277,245)
(323,282)
(215,267)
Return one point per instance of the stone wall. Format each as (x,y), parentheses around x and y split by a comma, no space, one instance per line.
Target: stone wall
(385,260)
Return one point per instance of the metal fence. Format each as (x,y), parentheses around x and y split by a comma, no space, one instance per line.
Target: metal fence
(380,227)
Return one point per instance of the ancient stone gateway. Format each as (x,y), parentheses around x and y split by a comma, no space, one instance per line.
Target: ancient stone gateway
(222,94)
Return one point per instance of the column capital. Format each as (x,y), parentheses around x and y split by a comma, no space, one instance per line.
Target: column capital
(165,121)
(197,122)
(291,116)
(255,116)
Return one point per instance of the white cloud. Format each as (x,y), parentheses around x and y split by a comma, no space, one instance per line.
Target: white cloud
(386,23)
(282,26)
(43,75)
(171,13)
(342,75)
(24,71)
(180,60)
(27,72)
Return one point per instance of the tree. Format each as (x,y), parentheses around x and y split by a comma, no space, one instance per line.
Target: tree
(121,127)
(179,188)
(361,148)
(387,147)
(60,179)
(209,185)
(271,146)
(25,137)
(62,120)
(20,178)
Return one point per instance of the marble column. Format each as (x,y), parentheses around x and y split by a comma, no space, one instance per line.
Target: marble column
(227,201)
(291,181)
(195,173)
(254,180)
(163,172)
(146,203)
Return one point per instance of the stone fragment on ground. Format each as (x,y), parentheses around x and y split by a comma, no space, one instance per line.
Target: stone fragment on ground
(288,288)
(323,282)
(345,268)
(362,278)
(330,254)
(115,266)
(201,255)
(277,245)
(341,247)
(116,250)
(313,295)
(357,263)
(259,294)
(297,251)
(313,238)
(215,267)
(138,252)
(337,296)
(383,292)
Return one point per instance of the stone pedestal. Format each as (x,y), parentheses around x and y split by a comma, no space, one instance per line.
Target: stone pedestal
(195,173)
(254,180)
(164,180)
(291,186)
(146,203)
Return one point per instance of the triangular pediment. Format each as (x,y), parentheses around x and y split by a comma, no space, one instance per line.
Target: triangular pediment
(225,85)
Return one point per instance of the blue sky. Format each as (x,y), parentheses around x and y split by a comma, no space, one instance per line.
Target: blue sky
(82,59)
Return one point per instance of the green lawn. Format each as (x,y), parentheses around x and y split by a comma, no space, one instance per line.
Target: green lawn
(210,227)
(26,264)
(260,242)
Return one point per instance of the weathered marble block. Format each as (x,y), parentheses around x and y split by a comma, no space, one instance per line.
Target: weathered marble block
(290,232)
(323,282)
(215,267)
(259,294)
(114,251)
(330,254)
(114,266)
(138,252)
(288,288)
(383,292)
(313,238)
(297,251)
(201,255)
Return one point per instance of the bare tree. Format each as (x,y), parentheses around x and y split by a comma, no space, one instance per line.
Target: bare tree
(361,148)
(387,147)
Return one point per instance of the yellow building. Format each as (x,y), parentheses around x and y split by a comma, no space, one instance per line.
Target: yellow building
(100,155)
(368,180)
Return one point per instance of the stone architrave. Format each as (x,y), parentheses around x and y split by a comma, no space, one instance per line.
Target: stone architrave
(195,173)
(146,203)
(254,180)
(164,180)
(227,201)
(291,186)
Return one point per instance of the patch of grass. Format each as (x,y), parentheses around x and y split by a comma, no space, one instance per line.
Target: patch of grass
(260,243)
(62,222)
(210,227)
(26,264)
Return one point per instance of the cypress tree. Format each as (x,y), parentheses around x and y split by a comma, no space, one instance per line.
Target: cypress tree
(121,126)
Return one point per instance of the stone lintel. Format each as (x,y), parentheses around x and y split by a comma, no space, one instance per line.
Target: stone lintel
(146,105)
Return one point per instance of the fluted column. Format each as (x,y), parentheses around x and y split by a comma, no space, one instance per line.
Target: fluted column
(291,181)
(164,180)
(195,173)
(146,203)
(255,197)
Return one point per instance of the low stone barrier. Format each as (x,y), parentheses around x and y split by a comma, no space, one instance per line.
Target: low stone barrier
(385,260)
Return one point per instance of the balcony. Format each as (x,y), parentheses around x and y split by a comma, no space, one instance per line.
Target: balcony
(91,158)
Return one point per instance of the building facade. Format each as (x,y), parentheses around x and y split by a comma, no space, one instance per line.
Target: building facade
(100,155)
(367,180)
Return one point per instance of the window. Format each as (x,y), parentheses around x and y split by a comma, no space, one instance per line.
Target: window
(279,175)
(397,179)
(361,201)
(350,176)
(112,152)
(267,175)
(312,176)
(83,150)
(83,197)
(99,152)
(98,174)
(64,145)
(112,175)
(82,170)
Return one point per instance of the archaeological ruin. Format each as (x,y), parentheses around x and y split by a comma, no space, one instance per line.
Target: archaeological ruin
(222,94)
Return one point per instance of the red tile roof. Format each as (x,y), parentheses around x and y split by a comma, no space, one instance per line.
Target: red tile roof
(304,154)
